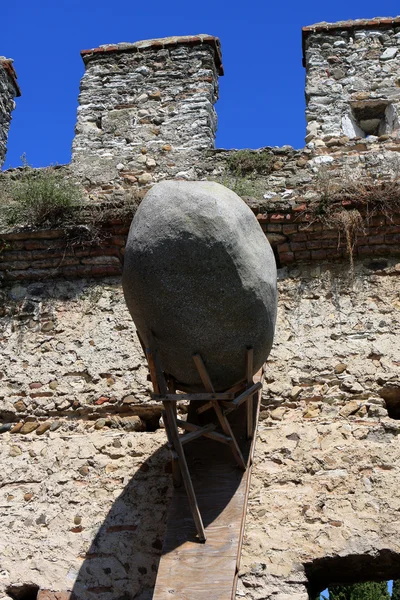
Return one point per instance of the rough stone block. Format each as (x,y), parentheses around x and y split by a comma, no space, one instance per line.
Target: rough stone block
(200,275)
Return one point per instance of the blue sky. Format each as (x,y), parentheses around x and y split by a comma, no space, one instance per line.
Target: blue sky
(261,95)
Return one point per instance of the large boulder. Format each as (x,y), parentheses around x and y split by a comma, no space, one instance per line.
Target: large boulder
(200,277)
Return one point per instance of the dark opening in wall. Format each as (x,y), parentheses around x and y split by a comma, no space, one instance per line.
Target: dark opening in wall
(391,396)
(25,591)
(325,572)
(373,117)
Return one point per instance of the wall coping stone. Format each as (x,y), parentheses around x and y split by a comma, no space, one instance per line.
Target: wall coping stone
(375,23)
(159,43)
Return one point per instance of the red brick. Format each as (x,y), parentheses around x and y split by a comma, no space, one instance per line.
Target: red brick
(99,271)
(15,265)
(23,235)
(314,244)
(10,256)
(289,228)
(373,250)
(376,239)
(302,255)
(286,257)
(306,227)
(334,253)
(104,251)
(277,217)
(329,234)
(392,229)
(376,230)
(299,237)
(392,238)
(275,228)
(295,246)
(27,275)
(113,271)
(318,254)
(329,243)
(36,244)
(283,248)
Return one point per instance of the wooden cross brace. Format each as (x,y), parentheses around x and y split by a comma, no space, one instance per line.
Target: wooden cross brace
(223,403)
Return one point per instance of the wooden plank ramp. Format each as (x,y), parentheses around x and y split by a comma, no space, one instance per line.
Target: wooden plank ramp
(188,569)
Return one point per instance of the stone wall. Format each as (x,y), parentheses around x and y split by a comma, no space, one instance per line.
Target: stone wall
(8,90)
(352,78)
(146,110)
(82,452)
(85,481)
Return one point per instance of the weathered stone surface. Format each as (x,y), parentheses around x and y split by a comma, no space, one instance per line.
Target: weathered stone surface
(8,90)
(352,83)
(299,491)
(159,101)
(200,276)
(83,359)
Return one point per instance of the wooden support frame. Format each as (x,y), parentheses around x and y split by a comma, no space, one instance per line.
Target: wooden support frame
(223,403)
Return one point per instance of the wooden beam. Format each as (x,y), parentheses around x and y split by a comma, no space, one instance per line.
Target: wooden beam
(152,369)
(176,471)
(174,433)
(249,402)
(194,397)
(188,437)
(240,399)
(217,437)
(218,410)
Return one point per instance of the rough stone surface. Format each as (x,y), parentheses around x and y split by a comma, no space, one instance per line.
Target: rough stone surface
(146,112)
(85,366)
(8,91)
(200,276)
(352,81)
(76,500)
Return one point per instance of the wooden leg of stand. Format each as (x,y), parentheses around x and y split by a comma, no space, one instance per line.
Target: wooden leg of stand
(174,433)
(249,401)
(205,378)
(176,471)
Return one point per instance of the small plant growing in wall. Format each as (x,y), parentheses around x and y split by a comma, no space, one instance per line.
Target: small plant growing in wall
(250,163)
(244,170)
(38,197)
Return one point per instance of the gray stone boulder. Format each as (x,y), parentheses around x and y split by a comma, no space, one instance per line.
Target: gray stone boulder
(200,275)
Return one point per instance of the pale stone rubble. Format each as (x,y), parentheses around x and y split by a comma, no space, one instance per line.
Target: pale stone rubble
(326,455)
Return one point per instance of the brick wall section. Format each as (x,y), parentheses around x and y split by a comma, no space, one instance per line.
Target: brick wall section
(296,238)
(36,255)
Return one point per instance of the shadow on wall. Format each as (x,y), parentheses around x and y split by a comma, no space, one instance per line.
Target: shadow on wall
(382,565)
(122,561)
